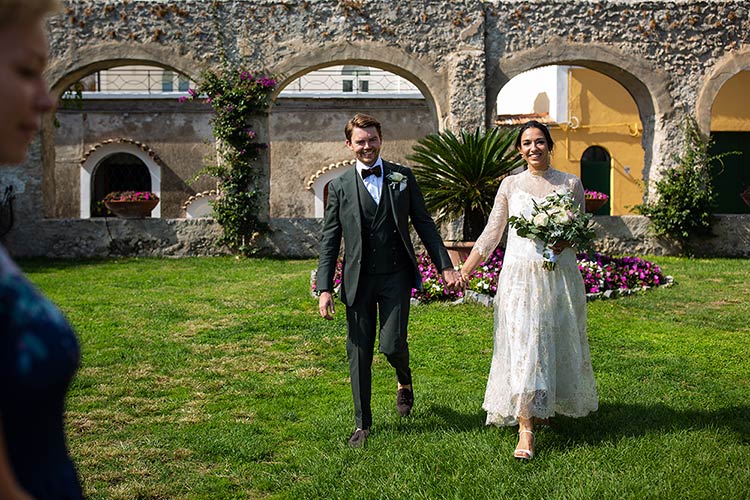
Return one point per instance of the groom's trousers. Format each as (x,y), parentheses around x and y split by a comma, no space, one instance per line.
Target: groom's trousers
(390,294)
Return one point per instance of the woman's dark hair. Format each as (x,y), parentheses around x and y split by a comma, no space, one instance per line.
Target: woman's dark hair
(541,126)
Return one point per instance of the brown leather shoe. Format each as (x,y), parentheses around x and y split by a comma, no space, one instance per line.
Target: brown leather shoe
(404,401)
(359,438)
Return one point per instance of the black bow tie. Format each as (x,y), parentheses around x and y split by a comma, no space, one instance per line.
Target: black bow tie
(376,171)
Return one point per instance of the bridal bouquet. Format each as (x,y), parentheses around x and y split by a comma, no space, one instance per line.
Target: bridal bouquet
(556,218)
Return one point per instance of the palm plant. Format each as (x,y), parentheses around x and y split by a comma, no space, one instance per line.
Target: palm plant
(459,175)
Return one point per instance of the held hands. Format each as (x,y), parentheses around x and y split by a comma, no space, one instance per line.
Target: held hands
(454,280)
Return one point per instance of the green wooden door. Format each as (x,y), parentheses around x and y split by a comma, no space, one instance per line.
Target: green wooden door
(596,165)
(732,174)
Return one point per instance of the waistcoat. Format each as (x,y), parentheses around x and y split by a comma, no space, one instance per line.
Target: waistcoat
(382,249)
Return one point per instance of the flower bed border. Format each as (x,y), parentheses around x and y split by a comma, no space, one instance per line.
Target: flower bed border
(602,271)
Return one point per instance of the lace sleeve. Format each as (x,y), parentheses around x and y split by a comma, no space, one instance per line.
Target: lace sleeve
(576,187)
(496,222)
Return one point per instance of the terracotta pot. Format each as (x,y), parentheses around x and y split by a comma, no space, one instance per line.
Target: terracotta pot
(458,250)
(745,195)
(592,204)
(132,209)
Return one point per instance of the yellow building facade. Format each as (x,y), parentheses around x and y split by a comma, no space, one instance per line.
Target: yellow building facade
(731,108)
(602,115)
(603,119)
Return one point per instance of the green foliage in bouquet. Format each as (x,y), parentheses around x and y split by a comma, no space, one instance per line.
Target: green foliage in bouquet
(556,218)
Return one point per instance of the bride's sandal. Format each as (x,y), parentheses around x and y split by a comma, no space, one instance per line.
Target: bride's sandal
(523,453)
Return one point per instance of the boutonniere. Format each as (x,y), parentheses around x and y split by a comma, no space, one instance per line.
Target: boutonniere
(397,179)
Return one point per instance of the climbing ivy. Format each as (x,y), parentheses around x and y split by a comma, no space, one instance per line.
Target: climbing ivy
(685,196)
(237,97)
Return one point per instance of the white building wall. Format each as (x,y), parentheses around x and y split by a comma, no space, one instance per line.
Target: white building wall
(539,90)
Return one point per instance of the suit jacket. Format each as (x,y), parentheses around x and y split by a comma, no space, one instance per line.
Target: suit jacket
(343,219)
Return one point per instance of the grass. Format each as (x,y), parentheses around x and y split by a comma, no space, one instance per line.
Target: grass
(213,378)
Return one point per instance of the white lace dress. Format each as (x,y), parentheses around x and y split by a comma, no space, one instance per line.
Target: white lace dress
(541,365)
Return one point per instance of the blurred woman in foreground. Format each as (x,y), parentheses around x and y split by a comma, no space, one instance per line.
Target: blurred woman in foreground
(39,352)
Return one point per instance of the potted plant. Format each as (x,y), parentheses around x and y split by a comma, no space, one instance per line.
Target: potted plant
(459,176)
(594,200)
(131,204)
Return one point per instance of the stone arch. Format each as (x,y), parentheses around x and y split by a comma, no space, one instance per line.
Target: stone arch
(64,72)
(94,157)
(727,67)
(199,205)
(645,82)
(433,86)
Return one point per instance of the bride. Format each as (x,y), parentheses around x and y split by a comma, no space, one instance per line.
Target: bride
(541,364)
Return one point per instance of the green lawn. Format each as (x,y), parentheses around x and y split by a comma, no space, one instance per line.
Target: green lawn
(214,378)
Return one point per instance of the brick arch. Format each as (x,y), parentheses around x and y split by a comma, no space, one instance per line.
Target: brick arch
(433,86)
(726,68)
(64,72)
(644,81)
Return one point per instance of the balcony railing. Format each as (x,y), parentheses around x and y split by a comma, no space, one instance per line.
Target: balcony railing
(327,82)
(330,82)
(127,80)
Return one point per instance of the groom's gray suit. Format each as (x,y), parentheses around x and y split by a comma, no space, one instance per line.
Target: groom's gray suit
(380,269)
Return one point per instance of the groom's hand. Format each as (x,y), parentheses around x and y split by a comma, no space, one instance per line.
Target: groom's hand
(325,305)
(452,278)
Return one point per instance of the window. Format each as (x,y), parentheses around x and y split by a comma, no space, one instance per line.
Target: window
(167,84)
(118,172)
(355,78)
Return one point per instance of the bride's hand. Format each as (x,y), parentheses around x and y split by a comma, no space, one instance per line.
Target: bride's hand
(559,246)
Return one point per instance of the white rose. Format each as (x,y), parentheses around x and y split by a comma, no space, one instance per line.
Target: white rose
(396,176)
(540,219)
(562,218)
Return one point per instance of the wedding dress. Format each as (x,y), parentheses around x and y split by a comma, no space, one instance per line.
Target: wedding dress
(541,365)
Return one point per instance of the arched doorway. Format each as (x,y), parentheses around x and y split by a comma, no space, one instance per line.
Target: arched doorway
(584,108)
(118,165)
(596,167)
(118,172)
(307,128)
(730,132)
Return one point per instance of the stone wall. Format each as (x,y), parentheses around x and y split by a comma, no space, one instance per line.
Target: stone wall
(672,57)
(178,133)
(298,238)
(308,135)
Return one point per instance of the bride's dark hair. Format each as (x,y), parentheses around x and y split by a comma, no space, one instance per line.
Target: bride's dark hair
(541,126)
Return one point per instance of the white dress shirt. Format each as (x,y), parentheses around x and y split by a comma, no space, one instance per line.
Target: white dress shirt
(373,184)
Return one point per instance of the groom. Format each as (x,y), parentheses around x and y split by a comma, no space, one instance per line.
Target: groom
(370,206)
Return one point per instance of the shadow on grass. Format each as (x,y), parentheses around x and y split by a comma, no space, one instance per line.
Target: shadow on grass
(614,421)
(434,417)
(609,424)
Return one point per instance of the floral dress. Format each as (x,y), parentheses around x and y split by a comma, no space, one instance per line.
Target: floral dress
(39,355)
(541,365)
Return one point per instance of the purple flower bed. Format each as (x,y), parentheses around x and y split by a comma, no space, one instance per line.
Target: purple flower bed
(600,274)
